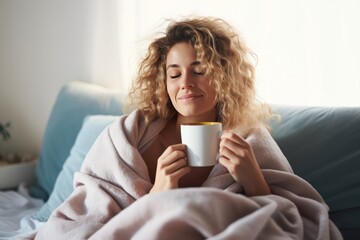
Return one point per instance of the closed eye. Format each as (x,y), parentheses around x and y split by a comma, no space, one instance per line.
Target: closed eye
(175,76)
(199,73)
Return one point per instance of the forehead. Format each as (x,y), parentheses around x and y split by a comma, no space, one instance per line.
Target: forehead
(181,54)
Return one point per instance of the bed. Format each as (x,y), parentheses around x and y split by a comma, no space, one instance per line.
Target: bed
(17,212)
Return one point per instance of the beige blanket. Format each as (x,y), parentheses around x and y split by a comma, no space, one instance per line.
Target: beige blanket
(111,199)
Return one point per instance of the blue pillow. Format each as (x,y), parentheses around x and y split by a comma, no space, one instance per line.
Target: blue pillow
(92,127)
(75,101)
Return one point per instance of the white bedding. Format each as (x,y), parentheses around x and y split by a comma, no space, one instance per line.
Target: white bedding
(17,209)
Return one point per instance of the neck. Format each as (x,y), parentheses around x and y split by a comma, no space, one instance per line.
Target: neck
(207,117)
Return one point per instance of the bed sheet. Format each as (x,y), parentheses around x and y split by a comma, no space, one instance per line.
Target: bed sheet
(17,212)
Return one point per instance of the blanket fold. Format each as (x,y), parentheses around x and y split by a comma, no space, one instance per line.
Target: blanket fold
(111,200)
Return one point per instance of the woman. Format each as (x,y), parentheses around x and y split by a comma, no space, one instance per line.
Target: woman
(199,71)
(135,181)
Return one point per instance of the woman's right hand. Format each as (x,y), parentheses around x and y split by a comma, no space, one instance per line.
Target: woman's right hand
(171,166)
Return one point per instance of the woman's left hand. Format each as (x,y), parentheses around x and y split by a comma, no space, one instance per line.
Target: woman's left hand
(237,156)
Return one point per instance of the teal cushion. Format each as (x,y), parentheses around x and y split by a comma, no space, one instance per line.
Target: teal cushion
(92,127)
(75,101)
(322,145)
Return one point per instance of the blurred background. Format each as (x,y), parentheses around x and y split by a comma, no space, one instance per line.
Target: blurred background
(308,51)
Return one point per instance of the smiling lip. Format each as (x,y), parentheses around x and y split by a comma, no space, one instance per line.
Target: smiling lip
(189,97)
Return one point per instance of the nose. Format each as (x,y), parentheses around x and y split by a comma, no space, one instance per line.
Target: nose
(187,81)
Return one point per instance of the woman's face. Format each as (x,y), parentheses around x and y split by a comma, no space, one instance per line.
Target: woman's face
(188,87)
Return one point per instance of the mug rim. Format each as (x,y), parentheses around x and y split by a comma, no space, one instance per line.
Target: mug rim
(201,124)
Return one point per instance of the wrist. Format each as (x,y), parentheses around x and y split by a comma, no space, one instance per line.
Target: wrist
(256,186)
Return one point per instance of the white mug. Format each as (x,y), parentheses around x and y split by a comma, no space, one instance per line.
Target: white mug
(202,140)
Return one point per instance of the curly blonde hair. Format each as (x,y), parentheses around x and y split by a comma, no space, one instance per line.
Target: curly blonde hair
(227,61)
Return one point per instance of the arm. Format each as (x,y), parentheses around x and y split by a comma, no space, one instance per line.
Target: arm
(238,157)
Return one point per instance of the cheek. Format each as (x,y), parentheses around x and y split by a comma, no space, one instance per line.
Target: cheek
(214,95)
(171,91)
(211,93)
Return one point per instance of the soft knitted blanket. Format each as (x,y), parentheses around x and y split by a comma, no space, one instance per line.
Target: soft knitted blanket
(111,199)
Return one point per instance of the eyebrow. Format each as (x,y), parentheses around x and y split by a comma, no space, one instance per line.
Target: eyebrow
(177,66)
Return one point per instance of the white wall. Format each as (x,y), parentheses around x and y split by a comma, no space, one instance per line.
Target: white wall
(308,50)
(43,45)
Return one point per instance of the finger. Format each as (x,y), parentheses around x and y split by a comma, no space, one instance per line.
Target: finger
(234,143)
(234,137)
(233,156)
(175,176)
(167,162)
(175,166)
(232,168)
(171,154)
(225,162)
(230,144)
(172,148)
